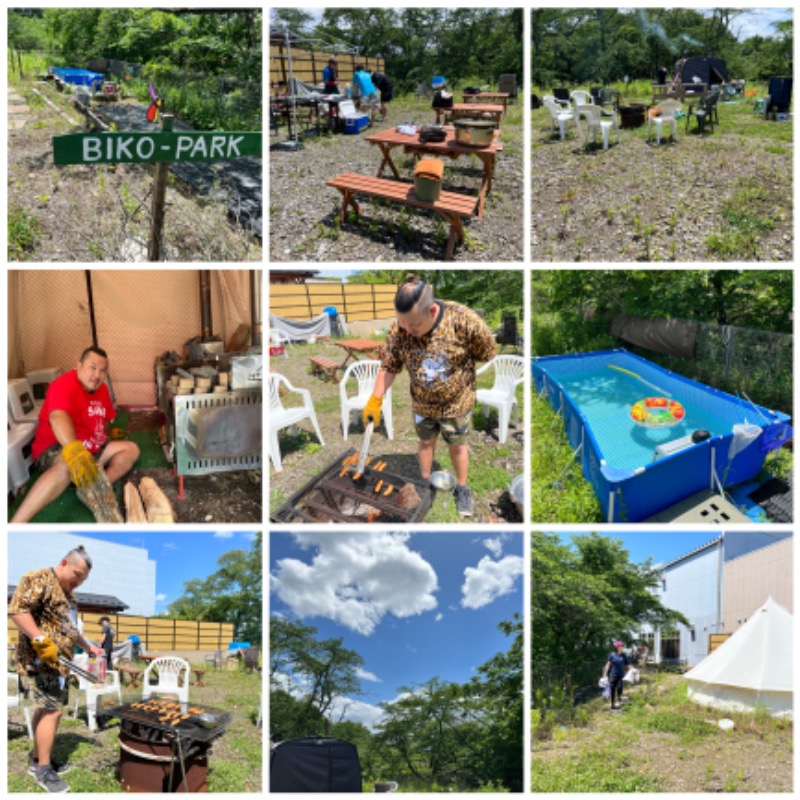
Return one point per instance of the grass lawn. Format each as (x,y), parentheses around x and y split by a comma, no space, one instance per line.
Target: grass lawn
(661,741)
(492,465)
(234,766)
(724,196)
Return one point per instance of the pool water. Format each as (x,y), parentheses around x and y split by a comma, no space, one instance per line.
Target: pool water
(605,397)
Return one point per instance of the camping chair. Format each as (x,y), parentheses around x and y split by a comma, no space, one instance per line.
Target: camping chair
(280,339)
(93,692)
(364,373)
(596,124)
(509,373)
(560,93)
(580,98)
(17,699)
(668,111)
(214,658)
(558,114)
(507,84)
(508,332)
(173,678)
(280,417)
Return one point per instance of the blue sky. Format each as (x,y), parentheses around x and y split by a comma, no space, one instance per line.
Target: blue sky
(662,547)
(180,556)
(414,606)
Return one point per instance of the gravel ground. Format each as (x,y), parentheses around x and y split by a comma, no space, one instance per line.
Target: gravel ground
(492,466)
(643,202)
(304,213)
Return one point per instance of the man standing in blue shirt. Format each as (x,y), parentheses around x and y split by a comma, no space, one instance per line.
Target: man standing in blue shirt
(367,93)
(616,669)
(330,77)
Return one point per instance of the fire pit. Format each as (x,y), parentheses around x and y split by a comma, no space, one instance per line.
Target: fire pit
(632,116)
(335,497)
(164,745)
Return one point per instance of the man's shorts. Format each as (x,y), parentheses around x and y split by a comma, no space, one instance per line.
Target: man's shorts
(370,99)
(454,430)
(48,457)
(50,692)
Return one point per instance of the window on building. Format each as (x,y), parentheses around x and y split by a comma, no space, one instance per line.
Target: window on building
(671,645)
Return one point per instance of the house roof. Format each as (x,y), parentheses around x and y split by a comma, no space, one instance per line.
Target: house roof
(86,600)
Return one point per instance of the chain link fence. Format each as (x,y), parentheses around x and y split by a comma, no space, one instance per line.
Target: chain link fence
(740,361)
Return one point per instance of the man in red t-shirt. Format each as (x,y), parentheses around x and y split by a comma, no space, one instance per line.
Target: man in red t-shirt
(71,439)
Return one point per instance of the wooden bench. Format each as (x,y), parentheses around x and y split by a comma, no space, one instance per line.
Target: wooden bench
(327,367)
(450,206)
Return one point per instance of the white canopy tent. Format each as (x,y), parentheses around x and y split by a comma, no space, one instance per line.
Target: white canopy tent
(752,668)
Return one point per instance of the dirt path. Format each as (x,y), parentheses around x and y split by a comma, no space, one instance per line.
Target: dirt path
(660,743)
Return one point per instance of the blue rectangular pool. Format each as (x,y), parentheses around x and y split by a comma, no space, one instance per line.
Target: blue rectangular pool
(637,471)
(79,77)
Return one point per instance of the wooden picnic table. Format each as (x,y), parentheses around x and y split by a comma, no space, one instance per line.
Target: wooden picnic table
(356,347)
(497,97)
(389,139)
(134,675)
(469,110)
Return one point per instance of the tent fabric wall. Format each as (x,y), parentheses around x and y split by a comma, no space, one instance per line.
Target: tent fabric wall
(709,70)
(753,667)
(139,315)
(315,764)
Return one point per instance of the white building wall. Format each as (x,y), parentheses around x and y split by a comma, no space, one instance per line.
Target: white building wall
(692,586)
(120,570)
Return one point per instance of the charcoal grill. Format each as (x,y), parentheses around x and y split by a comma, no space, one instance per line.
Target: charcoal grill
(150,750)
(331,498)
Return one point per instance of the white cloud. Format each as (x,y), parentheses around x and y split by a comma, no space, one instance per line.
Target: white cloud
(439,617)
(367,676)
(223,535)
(170,547)
(160,598)
(490,580)
(495,544)
(345,708)
(356,579)
(251,537)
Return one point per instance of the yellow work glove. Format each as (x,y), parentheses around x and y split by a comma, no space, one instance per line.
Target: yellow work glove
(82,468)
(117,433)
(373,409)
(47,651)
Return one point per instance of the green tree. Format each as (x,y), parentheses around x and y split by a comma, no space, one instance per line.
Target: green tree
(231,594)
(583,596)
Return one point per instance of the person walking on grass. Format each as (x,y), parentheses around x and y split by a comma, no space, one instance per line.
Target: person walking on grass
(617,667)
(439,343)
(367,93)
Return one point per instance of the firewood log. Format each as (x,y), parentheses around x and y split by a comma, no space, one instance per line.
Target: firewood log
(156,504)
(134,510)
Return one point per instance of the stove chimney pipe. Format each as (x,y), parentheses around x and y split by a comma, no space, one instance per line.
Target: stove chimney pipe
(255,307)
(205,305)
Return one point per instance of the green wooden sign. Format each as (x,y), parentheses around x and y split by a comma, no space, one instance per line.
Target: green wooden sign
(163,146)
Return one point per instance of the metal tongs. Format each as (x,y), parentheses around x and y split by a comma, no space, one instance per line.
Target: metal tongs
(362,456)
(79,671)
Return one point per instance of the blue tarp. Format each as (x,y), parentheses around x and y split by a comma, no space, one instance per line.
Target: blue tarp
(78,77)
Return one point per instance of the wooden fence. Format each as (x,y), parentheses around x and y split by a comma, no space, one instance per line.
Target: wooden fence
(307,65)
(355,302)
(716,639)
(156,633)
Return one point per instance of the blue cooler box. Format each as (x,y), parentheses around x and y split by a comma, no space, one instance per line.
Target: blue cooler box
(356,123)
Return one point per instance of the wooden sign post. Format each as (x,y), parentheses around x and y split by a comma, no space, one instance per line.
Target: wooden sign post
(160,148)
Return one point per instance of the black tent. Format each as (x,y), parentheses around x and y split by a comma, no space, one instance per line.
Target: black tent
(314,764)
(707,70)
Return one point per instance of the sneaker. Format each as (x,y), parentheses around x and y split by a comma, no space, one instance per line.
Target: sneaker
(60,769)
(463,501)
(47,779)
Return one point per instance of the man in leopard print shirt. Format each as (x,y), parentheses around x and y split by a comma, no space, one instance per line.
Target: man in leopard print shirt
(44,610)
(439,343)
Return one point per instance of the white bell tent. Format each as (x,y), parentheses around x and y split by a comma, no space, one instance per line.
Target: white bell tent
(752,668)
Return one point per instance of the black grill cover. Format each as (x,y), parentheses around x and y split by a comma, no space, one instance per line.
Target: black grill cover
(314,764)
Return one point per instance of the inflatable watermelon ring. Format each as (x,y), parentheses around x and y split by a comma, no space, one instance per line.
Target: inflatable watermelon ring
(657,412)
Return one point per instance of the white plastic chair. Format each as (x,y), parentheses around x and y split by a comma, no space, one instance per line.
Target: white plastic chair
(509,373)
(559,115)
(365,373)
(596,124)
(280,417)
(279,339)
(16,700)
(173,678)
(580,97)
(93,692)
(667,117)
